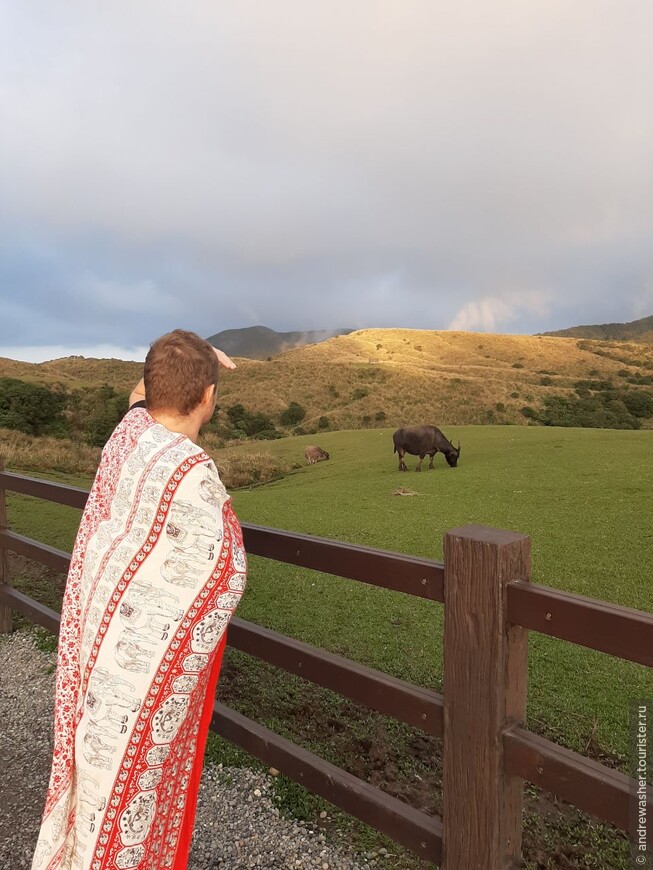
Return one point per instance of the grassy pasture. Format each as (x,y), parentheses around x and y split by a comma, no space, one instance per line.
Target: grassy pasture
(584,497)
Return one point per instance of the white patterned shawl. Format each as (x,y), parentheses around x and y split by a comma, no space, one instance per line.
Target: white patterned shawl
(157,571)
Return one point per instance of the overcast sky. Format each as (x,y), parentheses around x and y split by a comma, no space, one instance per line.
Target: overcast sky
(310,164)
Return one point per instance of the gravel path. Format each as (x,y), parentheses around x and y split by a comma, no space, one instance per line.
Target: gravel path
(237,826)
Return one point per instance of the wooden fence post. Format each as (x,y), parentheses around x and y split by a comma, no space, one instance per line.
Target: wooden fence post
(5,612)
(485,675)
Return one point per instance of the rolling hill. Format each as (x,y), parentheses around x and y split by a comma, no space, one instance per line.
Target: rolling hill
(637,331)
(383,377)
(75,372)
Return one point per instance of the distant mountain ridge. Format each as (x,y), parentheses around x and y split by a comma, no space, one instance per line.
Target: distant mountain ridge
(260,342)
(640,331)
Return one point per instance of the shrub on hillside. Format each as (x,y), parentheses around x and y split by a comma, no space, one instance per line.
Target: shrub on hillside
(638,403)
(293,414)
(593,386)
(359,393)
(32,409)
(606,409)
(267,435)
(96,412)
(640,379)
(323,423)
(245,424)
(517,366)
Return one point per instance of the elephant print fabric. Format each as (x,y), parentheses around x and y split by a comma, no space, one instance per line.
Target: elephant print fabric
(157,571)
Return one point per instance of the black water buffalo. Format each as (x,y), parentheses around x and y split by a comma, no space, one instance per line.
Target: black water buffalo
(423,441)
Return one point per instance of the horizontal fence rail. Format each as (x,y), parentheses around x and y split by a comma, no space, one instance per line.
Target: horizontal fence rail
(61,493)
(405,824)
(592,787)
(57,560)
(399,699)
(609,628)
(589,785)
(411,828)
(371,688)
(421,577)
(411,575)
(37,612)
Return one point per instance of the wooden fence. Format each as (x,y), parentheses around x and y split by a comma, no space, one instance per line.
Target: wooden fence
(490,605)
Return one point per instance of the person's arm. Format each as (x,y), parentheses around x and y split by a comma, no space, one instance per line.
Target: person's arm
(138,393)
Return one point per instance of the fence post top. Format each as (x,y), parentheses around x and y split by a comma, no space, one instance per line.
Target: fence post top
(486,535)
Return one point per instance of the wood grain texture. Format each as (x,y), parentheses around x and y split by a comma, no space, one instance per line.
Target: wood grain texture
(583,782)
(609,628)
(485,673)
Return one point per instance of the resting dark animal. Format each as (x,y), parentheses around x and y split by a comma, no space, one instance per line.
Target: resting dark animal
(423,441)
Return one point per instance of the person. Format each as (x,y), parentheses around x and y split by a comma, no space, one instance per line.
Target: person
(157,570)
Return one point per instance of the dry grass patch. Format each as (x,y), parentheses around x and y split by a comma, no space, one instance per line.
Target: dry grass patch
(75,372)
(26,453)
(22,452)
(241,467)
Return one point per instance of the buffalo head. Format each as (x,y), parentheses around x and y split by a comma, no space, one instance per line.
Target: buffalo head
(452,456)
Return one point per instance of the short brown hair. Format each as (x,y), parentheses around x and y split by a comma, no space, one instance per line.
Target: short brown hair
(179,367)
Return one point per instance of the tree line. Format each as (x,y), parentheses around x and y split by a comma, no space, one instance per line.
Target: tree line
(91,414)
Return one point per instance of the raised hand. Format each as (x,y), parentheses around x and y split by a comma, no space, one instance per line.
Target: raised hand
(223,359)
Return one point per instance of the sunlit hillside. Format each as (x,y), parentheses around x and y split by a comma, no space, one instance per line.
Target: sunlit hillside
(75,372)
(406,376)
(396,376)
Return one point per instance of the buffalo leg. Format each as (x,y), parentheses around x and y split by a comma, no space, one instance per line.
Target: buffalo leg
(432,455)
(402,464)
(418,467)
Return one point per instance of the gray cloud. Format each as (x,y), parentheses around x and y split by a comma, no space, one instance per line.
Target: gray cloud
(316,165)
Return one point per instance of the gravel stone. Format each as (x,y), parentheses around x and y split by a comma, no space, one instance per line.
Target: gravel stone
(232,830)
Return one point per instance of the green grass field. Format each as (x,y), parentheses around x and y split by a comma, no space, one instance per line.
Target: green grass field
(583,495)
